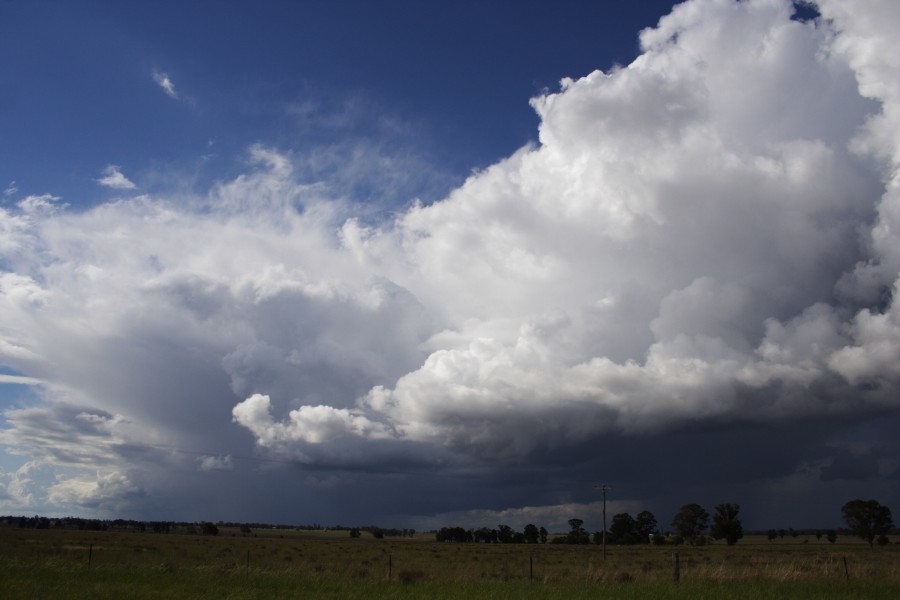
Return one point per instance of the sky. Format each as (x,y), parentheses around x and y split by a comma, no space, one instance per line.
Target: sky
(458,263)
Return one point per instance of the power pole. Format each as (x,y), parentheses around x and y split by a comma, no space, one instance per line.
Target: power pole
(603,488)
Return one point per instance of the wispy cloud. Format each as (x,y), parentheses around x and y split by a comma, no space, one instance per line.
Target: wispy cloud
(165,82)
(19,380)
(115,179)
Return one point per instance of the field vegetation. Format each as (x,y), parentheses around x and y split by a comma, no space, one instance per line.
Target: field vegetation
(280,563)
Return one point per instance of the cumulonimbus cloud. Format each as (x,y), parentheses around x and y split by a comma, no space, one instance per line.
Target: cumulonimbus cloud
(681,244)
(706,233)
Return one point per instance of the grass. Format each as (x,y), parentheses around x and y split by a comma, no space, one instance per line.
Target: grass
(55,564)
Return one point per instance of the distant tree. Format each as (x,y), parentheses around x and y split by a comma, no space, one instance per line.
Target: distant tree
(867,519)
(355,533)
(690,522)
(505,534)
(782,533)
(561,539)
(207,528)
(818,535)
(726,525)
(831,535)
(245,529)
(577,535)
(771,534)
(531,533)
(453,534)
(645,525)
(544,533)
(622,529)
(793,532)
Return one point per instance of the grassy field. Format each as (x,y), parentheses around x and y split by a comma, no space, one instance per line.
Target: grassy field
(288,564)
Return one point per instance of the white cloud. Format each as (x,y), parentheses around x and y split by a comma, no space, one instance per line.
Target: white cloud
(216,463)
(22,487)
(163,81)
(311,424)
(113,178)
(112,491)
(19,380)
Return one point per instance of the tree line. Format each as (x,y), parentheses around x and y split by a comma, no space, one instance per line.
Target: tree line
(692,524)
(866,519)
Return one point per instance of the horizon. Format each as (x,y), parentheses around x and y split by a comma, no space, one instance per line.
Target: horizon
(780,531)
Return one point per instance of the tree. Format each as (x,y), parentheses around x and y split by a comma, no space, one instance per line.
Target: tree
(505,534)
(831,536)
(726,525)
(485,534)
(449,534)
(207,528)
(578,535)
(531,533)
(772,534)
(645,525)
(622,530)
(867,519)
(544,533)
(690,522)
(355,533)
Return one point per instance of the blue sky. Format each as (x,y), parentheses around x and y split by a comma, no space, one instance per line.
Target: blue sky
(454,79)
(448,263)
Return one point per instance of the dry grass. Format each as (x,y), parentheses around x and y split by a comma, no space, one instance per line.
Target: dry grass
(327,556)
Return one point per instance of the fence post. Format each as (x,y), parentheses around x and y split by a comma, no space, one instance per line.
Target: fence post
(90,554)
(390,566)
(846,568)
(248,561)
(531,568)
(676,568)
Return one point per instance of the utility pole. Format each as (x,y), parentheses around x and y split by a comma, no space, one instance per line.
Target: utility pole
(604,488)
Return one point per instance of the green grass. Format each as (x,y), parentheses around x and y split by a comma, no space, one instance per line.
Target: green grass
(54,564)
(55,582)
